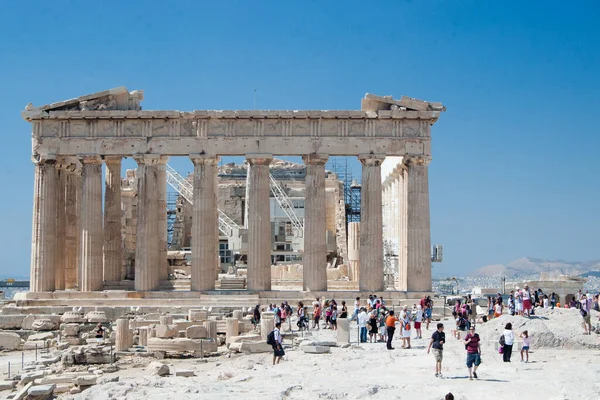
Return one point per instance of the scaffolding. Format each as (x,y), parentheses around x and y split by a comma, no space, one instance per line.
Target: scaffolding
(171,215)
(352,187)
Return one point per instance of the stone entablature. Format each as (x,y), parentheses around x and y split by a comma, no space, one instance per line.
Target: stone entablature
(66,128)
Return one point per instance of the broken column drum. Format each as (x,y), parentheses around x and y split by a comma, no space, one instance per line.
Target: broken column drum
(83,133)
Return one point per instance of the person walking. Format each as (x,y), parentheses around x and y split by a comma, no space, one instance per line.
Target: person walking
(473,352)
(256,315)
(373,326)
(390,324)
(362,323)
(316,314)
(509,340)
(438,338)
(428,311)
(526,343)
(405,319)
(277,347)
(356,309)
(333,318)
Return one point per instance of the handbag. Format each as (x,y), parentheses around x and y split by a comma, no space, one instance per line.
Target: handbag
(501,349)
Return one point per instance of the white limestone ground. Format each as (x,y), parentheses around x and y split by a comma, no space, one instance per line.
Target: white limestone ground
(373,372)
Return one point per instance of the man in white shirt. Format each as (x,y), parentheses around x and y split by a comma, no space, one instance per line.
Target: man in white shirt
(363,318)
(526,301)
(277,348)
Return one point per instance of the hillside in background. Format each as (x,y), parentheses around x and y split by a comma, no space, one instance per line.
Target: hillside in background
(527,266)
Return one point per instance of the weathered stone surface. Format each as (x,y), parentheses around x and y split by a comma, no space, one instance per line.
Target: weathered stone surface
(96,316)
(181,344)
(30,377)
(9,340)
(185,373)
(72,340)
(40,392)
(343,330)
(75,390)
(11,321)
(41,336)
(245,338)
(196,332)
(62,388)
(85,380)
(43,325)
(315,349)
(70,330)
(7,385)
(256,347)
(33,344)
(197,315)
(124,338)
(158,368)
(166,331)
(165,320)
(211,329)
(72,317)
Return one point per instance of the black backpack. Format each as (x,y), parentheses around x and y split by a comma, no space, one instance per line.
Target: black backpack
(271,338)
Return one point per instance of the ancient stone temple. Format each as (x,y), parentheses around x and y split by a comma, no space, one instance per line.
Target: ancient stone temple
(77,226)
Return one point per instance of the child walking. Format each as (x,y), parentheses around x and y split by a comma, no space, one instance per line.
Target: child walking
(525,348)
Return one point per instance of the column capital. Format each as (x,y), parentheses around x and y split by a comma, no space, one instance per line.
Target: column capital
(371,160)
(204,159)
(259,158)
(315,159)
(43,159)
(147,159)
(421,160)
(112,159)
(89,159)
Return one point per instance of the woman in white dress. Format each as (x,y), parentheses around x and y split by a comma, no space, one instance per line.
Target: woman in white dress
(405,321)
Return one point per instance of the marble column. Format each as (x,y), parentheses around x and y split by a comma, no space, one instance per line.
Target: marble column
(353,250)
(73,189)
(259,222)
(315,247)
(61,226)
(418,237)
(371,232)
(112,219)
(147,237)
(43,240)
(401,211)
(163,267)
(205,223)
(92,237)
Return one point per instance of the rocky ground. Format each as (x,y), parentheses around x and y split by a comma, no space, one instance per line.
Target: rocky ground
(564,362)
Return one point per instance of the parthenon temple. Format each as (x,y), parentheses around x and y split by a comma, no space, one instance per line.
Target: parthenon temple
(81,229)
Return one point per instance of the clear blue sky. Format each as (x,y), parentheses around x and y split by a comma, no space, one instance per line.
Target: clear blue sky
(515,158)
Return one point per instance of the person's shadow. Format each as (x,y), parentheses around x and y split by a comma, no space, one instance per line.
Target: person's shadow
(477,379)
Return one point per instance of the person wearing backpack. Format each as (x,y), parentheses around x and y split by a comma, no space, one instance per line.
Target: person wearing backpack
(509,339)
(473,352)
(275,340)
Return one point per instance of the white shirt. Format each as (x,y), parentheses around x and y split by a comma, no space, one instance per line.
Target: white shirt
(362,319)
(509,337)
(498,309)
(277,334)
(545,303)
(357,305)
(526,295)
(419,315)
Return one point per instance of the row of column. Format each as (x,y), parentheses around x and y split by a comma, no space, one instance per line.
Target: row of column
(406,205)
(75,243)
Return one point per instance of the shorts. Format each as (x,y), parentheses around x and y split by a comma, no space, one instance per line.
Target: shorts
(438,354)
(462,329)
(473,358)
(428,313)
(417,325)
(527,304)
(405,333)
(587,319)
(278,351)
(317,318)
(525,348)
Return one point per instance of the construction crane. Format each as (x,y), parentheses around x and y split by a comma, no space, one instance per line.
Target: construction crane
(285,203)
(227,226)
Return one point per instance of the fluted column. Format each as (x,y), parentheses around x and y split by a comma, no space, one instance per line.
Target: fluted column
(418,228)
(147,237)
(205,223)
(112,219)
(73,188)
(315,246)
(92,238)
(61,226)
(353,250)
(162,218)
(43,240)
(371,231)
(401,234)
(259,222)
